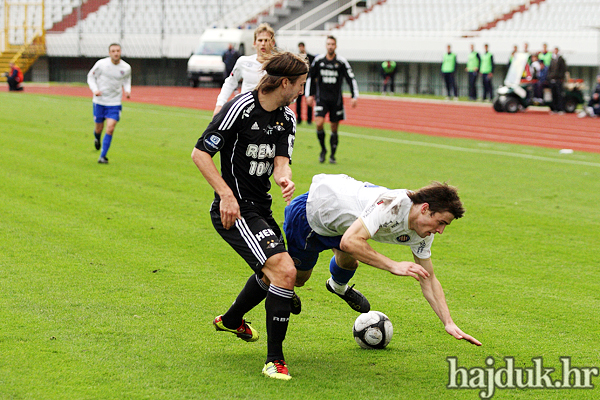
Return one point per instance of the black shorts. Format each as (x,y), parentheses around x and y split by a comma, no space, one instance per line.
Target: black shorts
(334,108)
(256,237)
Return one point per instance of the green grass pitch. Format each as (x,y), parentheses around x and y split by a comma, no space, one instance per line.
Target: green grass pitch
(110,275)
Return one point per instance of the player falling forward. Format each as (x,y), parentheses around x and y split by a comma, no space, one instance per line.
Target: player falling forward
(107,79)
(341,213)
(255,133)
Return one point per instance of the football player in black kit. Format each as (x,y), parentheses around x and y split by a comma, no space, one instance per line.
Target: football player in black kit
(325,84)
(254,132)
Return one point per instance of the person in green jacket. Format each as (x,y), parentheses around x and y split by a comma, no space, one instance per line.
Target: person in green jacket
(448,71)
(545,55)
(487,70)
(388,71)
(472,69)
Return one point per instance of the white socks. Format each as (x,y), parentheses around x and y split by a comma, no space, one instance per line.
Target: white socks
(339,289)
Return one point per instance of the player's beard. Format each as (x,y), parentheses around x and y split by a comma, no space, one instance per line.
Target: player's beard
(289,101)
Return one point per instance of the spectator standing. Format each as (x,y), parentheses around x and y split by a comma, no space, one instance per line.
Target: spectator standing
(556,77)
(14,77)
(388,71)
(449,72)
(545,55)
(593,106)
(487,72)
(325,85)
(248,68)
(107,79)
(512,55)
(229,58)
(473,63)
(309,110)
(539,72)
(526,50)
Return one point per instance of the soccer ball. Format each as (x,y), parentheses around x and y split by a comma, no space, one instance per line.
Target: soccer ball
(373,330)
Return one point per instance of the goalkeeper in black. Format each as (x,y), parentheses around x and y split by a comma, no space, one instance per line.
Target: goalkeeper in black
(324,85)
(254,134)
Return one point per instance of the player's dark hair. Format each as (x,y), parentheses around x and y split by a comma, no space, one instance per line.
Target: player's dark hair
(301,44)
(332,38)
(280,66)
(440,197)
(113,44)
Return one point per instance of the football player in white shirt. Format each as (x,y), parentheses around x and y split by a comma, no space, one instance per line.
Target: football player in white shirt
(341,213)
(107,79)
(248,69)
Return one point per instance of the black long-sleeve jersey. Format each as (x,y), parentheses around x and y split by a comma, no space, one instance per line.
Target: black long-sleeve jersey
(249,138)
(325,78)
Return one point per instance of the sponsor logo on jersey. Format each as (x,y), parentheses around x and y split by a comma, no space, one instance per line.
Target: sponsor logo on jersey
(264,233)
(279,127)
(421,247)
(268,130)
(260,151)
(403,238)
(247,112)
(214,142)
(369,210)
(291,140)
(255,126)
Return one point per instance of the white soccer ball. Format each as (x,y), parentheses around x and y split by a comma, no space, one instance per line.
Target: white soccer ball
(373,330)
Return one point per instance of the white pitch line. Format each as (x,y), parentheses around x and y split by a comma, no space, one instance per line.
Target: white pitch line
(468,150)
(410,142)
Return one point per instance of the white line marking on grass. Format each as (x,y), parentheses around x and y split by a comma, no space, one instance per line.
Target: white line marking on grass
(468,150)
(192,114)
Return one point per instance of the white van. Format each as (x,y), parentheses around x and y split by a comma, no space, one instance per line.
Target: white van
(206,62)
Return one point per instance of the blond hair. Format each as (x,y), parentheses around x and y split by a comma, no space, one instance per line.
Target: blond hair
(264,27)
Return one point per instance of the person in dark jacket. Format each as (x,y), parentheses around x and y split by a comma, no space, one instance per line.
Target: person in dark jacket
(556,77)
(229,58)
(309,110)
(593,106)
(14,77)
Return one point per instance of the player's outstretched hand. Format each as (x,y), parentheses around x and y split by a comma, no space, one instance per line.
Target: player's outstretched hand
(97,93)
(230,211)
(455,331)
(407,268)
(287,189)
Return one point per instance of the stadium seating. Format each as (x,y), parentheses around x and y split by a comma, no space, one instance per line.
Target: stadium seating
(187,17)
(179,23)
(429,15)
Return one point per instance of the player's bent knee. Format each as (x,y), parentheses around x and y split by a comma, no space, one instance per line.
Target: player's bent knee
(280,270)
(302,277)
